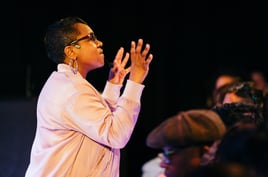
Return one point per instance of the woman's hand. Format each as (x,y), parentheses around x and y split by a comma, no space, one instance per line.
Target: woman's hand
(140,61)
(118,72)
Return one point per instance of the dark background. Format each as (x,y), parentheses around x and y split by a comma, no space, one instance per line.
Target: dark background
(192,42)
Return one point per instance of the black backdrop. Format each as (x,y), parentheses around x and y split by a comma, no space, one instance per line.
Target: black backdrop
(192,41)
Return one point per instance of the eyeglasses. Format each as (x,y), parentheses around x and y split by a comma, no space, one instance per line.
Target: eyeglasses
(167,153)
(90,37)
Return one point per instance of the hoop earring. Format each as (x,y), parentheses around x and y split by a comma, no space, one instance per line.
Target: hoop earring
(74,65)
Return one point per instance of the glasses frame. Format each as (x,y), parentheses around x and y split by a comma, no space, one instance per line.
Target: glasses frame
(91,37)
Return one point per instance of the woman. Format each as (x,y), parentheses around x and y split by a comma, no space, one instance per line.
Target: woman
(80,131)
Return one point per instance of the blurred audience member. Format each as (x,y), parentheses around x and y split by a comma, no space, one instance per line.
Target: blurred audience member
(232,146)
(261,82)
(259,78)
(184,138)
(246,144)
(257,151)
(242,152)
(220,81)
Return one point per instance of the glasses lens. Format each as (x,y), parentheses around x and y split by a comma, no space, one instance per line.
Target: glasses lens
(92,37)
(167,154)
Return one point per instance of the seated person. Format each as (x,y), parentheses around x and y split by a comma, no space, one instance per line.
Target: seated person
(184,138)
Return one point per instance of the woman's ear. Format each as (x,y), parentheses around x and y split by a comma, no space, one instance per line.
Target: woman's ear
(69,52)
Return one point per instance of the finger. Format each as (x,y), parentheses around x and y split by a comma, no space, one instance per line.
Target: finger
(127,70)
(145,51)
(132,49)
(119,55)
(125,60)
(149,59)
(139,45)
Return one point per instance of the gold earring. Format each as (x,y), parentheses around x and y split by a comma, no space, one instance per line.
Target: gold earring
(74,65)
